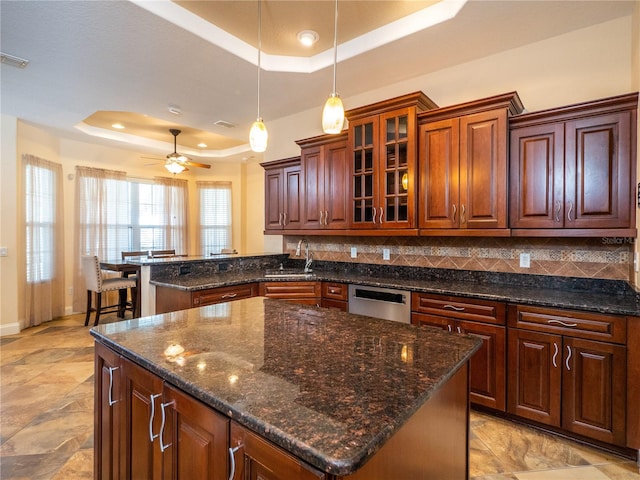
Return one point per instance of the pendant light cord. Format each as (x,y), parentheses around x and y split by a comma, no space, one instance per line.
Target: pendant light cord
(335,47)
(259,49)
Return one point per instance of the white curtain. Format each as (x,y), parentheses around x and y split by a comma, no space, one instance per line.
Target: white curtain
(43,229)
(176,213)
(102,221)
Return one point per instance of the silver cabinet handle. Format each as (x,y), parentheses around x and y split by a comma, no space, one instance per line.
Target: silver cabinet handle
(560,322)
(232,457)
(459,329)
(284,219)
(321,213)
(153,412)
(111,400)
(558,207)
(381,213)
(449,328)
(570,211)
(163,447)
(455,211)
(375,212)
(229,295)
(463,218)
(568,358)
(280,219)
(326,217)
(555,355)
(453,307)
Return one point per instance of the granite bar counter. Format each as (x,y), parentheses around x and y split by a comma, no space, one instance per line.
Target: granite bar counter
(330,388)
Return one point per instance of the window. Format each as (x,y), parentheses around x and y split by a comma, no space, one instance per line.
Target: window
(215,216)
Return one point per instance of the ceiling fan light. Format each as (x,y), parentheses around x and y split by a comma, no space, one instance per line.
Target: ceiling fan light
(333,115)
(174,167)
(258,136)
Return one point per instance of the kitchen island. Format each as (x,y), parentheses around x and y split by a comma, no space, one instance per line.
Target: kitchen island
(262,386)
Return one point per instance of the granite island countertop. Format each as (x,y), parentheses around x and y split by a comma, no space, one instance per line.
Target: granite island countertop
(327,386)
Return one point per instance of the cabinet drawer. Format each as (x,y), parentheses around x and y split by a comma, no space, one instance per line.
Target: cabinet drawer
(592,326)
(457,307)
(289,290)
(335,291)
(224,294)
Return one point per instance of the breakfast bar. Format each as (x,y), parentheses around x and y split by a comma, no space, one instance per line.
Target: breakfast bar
(301,391)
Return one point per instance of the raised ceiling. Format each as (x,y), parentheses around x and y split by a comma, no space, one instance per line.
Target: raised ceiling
(140,57)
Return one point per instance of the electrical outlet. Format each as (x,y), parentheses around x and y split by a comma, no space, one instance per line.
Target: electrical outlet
(4,251)
(525,260)
(386,254)
(354,252)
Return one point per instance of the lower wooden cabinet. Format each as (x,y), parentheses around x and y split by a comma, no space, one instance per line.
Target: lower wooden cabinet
(255,458)
(172,299)
(484,319)
(335,295)
(559,379)
(307,293)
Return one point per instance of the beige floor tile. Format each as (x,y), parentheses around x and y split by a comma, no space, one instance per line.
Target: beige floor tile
(16,375)
(621,471)
(582,473)
(78,467)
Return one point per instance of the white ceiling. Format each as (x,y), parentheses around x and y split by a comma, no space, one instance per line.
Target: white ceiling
(115,55)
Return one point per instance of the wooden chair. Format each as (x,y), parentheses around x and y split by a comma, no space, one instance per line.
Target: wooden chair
(96,284)
(162,253)
(126,255)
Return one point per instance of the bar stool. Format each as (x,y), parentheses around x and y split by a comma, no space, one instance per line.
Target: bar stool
(95,283)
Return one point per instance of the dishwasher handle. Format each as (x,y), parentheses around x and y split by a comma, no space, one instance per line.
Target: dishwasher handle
(389,297)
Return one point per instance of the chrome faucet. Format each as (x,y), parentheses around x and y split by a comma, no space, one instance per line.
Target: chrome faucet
(308,256)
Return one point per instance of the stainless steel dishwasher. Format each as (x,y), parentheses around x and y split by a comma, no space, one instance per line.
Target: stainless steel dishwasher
(386,303)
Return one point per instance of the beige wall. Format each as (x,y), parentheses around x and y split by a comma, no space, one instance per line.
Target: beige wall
(587,64)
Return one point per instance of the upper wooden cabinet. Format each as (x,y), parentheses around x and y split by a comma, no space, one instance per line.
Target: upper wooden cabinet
(382,153)
(283,184)
(325,182)
(463,167)
(573,169)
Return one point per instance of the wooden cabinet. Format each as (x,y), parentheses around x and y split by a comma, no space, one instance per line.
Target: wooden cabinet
(567,369)
(283,190)
(463,167)
(573,169)
(308,293)
(255,458)
(335,295)
(484,319)
(107,413)
(171,299)
(382,149)
(325,187)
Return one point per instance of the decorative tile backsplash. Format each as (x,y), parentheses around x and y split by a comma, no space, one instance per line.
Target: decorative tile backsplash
(606,258)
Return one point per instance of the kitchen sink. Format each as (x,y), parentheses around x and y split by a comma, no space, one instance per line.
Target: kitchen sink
(289,273)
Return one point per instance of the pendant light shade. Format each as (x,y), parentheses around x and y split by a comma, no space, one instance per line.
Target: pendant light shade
(258,135)
(333,111)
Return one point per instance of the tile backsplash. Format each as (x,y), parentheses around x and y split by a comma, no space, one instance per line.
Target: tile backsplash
(606,258)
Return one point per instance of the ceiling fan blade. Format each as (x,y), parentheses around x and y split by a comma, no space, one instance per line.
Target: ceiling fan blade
(196,164)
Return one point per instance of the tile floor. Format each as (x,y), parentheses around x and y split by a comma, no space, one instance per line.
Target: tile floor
(46,420)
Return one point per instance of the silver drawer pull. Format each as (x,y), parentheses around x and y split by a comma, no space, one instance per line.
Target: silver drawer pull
(163,447)
(229,295)
(232,456)
(459,329)
(111,400)
(560,322)
(568,358)
(153,412)
(555,355)
(453,307)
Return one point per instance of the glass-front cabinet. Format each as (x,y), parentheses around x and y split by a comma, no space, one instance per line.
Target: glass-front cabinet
(382,144)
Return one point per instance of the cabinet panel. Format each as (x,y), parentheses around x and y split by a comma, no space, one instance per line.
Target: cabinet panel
(224,294)
(292,212)
(363,140)
(314,182)
(283,191)
(595,376)
(291,290)
(335,291)
(274,199)
(462,308)
(535,376)
(107,413)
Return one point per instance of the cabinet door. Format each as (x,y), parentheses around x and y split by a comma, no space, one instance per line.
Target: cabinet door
(314,185)
(598,175)
(537,177)
(483,170)
(274,199)
(195,439)
(292,205)
(363,138)
(397,165)
(593,398)
(535,376)
(257,459)
(439,174)
(224,294)
(487,367)
(433,321)
(107,413)
(142,396)
(336,186)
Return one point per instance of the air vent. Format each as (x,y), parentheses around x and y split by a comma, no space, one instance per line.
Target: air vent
(225,124)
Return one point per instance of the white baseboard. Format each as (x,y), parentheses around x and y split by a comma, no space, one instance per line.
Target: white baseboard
(9,329)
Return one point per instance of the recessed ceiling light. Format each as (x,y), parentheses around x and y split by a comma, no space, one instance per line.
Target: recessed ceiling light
(224,123)
(119,126)
(202,145)
(308,37)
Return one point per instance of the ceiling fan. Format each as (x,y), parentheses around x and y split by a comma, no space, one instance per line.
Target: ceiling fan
(176,162)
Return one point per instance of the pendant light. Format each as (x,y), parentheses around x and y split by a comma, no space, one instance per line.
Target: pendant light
(258,135)
(333,111)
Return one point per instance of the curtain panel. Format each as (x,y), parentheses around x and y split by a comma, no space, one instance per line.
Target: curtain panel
(42,219)
(176,212)
(214,217)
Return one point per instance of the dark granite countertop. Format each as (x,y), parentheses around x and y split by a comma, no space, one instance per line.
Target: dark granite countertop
(327,386)
(535,291)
